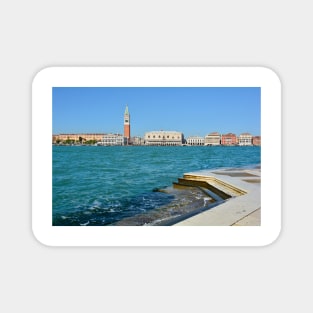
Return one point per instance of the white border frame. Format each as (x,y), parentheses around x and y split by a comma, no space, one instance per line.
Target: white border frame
(156,77)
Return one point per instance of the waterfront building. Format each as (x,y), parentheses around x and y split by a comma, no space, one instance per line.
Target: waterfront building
(229,139)
(212,139)
(111,140)
(245,139)
(127,125)
(164,138)
(195,141)
(77,137)
(256,140)
(137,141)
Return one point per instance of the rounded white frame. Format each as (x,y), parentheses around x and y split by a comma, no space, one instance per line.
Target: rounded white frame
(50,77)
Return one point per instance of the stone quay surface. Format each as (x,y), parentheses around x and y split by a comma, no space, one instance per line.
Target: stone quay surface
(242,208)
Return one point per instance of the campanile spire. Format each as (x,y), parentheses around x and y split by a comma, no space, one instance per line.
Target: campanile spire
(127,125)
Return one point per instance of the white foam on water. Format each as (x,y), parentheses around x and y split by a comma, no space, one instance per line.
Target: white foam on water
(96,203)
(93,208)
(116,204)
(84,224)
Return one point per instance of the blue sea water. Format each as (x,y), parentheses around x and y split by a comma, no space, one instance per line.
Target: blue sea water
(98,185)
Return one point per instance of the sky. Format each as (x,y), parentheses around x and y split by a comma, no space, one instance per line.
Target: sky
(190,110)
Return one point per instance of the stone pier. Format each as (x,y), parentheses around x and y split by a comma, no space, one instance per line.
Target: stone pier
(238,192)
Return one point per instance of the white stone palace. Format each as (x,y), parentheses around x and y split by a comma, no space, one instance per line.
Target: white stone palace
(245,139)
(164,138)
(111,140)
(195,141)
(212,139)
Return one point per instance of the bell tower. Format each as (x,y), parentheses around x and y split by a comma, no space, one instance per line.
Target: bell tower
(127,125)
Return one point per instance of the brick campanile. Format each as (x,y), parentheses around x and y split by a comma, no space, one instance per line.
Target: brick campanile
(127,125)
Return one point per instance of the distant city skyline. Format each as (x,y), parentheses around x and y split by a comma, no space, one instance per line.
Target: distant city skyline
(194,111)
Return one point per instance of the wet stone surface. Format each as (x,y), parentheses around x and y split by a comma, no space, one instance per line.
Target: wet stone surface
(186,200)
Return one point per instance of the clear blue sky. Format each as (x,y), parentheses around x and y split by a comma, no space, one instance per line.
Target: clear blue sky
(192,111)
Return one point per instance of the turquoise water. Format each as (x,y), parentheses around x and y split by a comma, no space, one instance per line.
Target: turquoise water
(97,185)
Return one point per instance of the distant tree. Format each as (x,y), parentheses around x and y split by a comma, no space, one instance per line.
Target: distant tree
(68,141)
(91,142)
